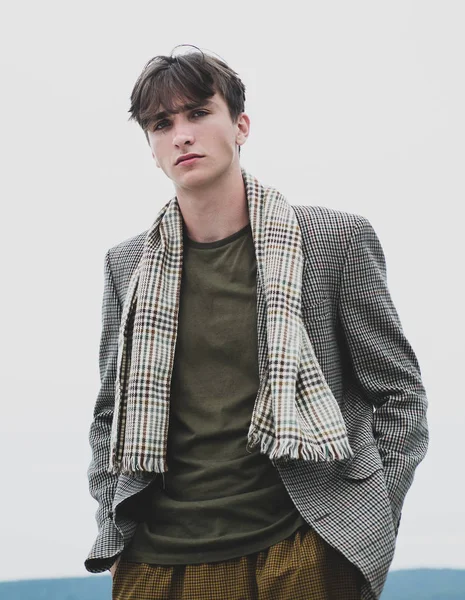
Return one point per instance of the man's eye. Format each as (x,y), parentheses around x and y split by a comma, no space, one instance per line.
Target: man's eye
(204,112)
(157,126)
(162,124)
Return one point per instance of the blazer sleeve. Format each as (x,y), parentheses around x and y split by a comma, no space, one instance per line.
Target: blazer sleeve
(383,362)
(102,484)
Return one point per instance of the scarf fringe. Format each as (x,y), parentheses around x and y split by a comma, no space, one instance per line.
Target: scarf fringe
(130,465)
(286,450)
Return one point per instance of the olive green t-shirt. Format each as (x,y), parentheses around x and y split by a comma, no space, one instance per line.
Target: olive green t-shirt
(218,501)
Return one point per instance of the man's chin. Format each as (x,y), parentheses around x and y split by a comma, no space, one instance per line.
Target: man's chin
(195,179)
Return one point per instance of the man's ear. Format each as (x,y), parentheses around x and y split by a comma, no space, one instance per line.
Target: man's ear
(243,128)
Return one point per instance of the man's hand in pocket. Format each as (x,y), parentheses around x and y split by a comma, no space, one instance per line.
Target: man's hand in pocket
(114,566)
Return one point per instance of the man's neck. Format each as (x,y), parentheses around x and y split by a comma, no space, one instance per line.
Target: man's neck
(216,212)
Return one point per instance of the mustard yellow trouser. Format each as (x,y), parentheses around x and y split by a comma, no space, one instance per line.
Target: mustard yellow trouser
(301,567)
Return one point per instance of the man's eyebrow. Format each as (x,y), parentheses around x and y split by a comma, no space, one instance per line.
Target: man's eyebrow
(185,107)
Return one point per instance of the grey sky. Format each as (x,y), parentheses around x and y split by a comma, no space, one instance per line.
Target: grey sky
(356,106)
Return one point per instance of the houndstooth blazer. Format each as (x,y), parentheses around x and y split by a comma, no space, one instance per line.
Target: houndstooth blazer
(354,505)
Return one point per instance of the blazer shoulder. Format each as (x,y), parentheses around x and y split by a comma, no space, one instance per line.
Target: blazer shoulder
(125,256)
(325,226)
(323,218)
(128,247)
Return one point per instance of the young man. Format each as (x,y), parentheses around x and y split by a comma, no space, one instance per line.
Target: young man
(261,413)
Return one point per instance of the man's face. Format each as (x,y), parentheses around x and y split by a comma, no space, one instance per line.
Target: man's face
(204,129)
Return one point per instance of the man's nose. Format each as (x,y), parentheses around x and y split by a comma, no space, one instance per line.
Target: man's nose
(183,136)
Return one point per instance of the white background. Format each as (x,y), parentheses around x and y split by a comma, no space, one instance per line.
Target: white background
(357,106)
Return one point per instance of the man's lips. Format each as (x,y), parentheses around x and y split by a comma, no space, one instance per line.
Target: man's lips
(187,158)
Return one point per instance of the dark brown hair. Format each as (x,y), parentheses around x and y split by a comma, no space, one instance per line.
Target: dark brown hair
(192,77)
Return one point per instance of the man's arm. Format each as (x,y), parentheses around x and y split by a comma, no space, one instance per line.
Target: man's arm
(102,484)
(384,364)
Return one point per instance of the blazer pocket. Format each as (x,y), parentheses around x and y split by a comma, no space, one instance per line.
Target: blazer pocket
(316,309)
(364,463)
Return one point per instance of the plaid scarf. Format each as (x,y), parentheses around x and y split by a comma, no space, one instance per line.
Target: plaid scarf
(296,415)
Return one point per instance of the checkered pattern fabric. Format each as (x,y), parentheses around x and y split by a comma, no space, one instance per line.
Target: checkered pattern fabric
(368,363)
(295,416)
(302,567)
